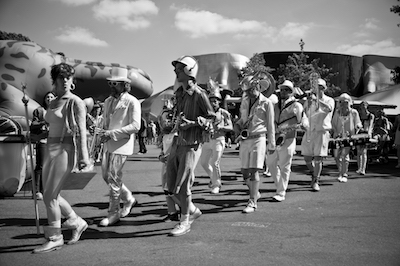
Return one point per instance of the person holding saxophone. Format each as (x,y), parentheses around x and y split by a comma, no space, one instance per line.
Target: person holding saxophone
(289,116)
(314,145)
(255,127)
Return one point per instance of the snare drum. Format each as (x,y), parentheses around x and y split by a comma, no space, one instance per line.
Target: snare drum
(340,143)
(360,139)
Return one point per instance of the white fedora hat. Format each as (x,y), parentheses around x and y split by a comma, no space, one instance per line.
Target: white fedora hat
(287,83)
(119,74)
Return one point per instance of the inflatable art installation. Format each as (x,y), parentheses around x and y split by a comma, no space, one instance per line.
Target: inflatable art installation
(29,64)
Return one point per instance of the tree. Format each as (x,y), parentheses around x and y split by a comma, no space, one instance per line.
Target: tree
(396,9)
(395,75)
(298,70)
(13,36)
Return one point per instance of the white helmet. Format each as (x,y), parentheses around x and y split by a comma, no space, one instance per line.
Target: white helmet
(191,67)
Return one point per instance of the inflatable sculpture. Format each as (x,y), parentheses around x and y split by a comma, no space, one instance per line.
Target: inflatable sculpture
(30,63)
(27,65)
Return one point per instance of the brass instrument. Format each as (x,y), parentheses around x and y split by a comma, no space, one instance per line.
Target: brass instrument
(314,88)
(280,137)
(98,125)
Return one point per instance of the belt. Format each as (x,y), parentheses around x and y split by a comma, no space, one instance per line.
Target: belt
(256,136)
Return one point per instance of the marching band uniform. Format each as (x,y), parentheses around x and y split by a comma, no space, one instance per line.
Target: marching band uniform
(320,125)
(167,136)
(288,113)
(345,123)
(214,147)
(367,121)
(257,117)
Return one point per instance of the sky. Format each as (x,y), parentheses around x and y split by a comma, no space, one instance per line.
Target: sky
(149,34)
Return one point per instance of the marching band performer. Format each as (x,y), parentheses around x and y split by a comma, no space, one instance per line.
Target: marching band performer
(345,123)
(167,133)
(314,145)
(193,109)
(256,121)
(213,148)
(289,116)
(367,121)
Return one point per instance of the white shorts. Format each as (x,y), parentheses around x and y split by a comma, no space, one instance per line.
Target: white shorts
(252,153)
(315,143)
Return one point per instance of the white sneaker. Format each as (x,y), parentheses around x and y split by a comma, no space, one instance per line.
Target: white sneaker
(343,180)
(251,207)
(110,220)
(340,178)
(215,190)
(180,229)
(196,214)
(278,198)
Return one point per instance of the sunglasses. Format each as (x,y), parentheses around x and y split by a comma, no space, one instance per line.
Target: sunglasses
(114,83)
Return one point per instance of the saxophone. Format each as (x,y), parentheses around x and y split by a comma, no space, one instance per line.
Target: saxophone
(280,137)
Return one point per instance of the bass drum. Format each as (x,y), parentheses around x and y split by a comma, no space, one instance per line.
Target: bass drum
(13,157)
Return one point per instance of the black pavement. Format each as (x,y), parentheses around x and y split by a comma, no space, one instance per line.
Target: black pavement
(353,223)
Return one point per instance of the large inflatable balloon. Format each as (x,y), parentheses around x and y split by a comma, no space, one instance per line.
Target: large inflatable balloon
(28,63)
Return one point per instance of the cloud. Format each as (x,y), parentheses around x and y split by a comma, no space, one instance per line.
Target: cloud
(80,36)
(385,48)
(294,31)
(130,15)
(204,23)
(371,24)
(76,2)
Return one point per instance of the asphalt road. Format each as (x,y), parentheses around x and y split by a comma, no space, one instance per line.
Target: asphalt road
(353,223)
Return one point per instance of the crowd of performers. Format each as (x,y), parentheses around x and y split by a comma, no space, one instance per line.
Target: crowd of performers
(193,128)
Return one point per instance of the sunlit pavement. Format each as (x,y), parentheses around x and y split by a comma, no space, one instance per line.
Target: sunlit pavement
(353,223)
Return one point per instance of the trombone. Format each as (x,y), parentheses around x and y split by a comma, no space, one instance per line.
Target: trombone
(314,76)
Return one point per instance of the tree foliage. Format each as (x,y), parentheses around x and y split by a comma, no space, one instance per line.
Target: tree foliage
(396,9)
(13,36)
(395,75)
(298,70)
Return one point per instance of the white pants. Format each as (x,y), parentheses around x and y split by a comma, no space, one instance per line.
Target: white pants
(210,159)
(280,163)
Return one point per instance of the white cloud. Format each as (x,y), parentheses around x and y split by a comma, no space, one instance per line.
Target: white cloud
(76,2)
(80,36)
(371,24)
(294,31)
(203,23)
(385,48)
(130,15)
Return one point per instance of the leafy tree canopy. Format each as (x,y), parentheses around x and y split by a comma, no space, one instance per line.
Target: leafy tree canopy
(396,9)
(298,70)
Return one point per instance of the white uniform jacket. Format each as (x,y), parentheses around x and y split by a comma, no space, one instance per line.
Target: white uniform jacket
(122,116)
